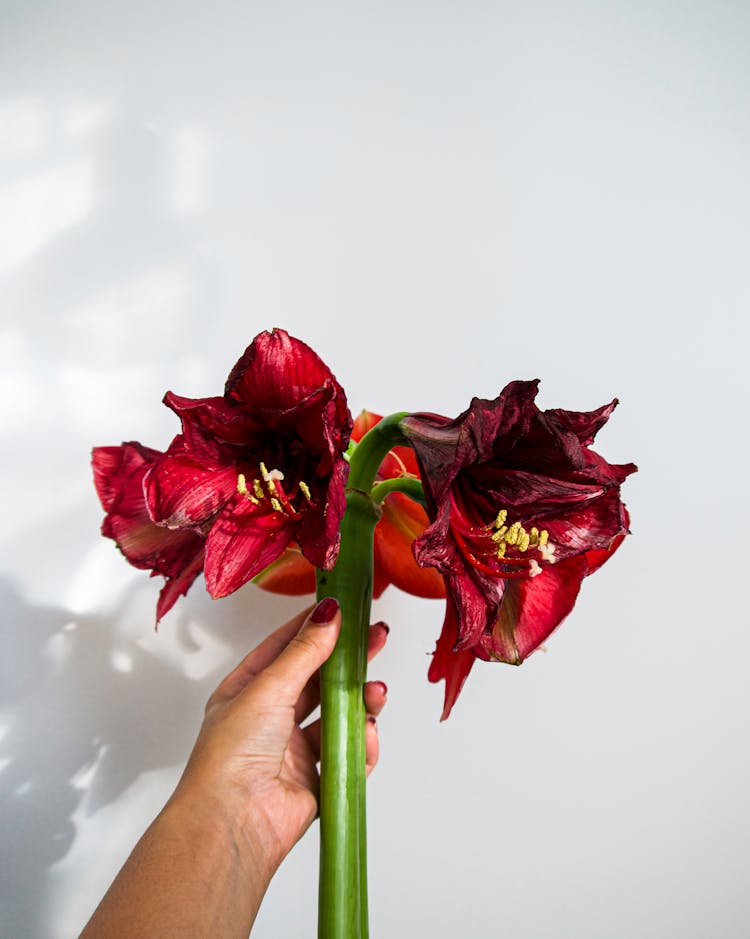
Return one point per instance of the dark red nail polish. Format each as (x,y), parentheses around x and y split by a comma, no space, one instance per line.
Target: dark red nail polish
(324,611)
(383,686)
(371,720)
(385,626)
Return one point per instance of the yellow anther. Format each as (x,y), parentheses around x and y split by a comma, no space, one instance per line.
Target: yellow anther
(263,469)
(543,537)
(258,489)
(523,541)
(276,505)
(534,536)
(501,516)
(513,533)
(500,533)
(501,550)
(243,490)
(305,490)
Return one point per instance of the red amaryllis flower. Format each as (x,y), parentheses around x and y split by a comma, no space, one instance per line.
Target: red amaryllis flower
(521,511)
(251,471)
(402,521)
(177,555)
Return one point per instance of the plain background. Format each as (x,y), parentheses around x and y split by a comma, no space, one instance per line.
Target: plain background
(439,198)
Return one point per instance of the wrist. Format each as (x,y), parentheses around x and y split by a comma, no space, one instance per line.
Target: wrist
(233,822)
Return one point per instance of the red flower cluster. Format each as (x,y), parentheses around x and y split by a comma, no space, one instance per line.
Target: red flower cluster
(253,470)
(519,508)
(521,511)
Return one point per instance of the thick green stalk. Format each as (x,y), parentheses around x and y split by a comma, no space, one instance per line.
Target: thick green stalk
(342,911)
(343,849)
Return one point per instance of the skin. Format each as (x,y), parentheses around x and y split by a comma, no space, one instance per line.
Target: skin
(247,795)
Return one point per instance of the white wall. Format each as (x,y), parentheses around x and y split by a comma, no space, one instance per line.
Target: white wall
(439,198)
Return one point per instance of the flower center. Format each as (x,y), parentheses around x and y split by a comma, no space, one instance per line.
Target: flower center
(502,550)
(267,489)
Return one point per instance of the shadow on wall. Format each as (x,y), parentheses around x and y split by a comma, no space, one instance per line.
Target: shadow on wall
(86,711)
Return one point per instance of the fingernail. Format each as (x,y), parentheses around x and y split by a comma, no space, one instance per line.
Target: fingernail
(385,626)
(383,686)
(325,611)
(371,720)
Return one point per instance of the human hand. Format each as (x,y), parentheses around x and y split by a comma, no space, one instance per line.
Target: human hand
(253,761)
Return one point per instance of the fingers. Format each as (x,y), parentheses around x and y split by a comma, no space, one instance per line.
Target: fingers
(375,694)
(271,648)
(288,674)
(377,639)
(375,697)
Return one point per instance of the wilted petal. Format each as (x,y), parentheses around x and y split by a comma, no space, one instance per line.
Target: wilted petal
(584,424)
(521,510)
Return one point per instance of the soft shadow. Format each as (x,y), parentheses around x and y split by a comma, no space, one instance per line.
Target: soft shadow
(87,709)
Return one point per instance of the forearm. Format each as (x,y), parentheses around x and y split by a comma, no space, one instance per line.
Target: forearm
(193,874)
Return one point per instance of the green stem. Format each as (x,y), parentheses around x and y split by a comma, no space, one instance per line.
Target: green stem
(342,910)
(366,459)
(408,486)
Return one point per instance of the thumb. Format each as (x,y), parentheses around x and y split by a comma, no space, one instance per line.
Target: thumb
(306,652)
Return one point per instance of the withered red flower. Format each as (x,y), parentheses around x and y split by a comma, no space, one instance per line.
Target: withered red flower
(521,511)
(402,521)
(253,470)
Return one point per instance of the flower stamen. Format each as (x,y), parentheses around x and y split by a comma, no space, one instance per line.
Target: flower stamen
(243,490)
(273,492)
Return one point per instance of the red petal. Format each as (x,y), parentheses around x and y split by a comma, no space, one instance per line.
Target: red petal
(596,558)
(446,664)
(402,521)
(242,541)
(532,609)
(151,547)
(277,372)
(584,424)
(216,418)
(484,430)
(291,574)
(588,528)
(318,531)
(178,555)
(364,421)
(113,465)
(178,586)
(183,493)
